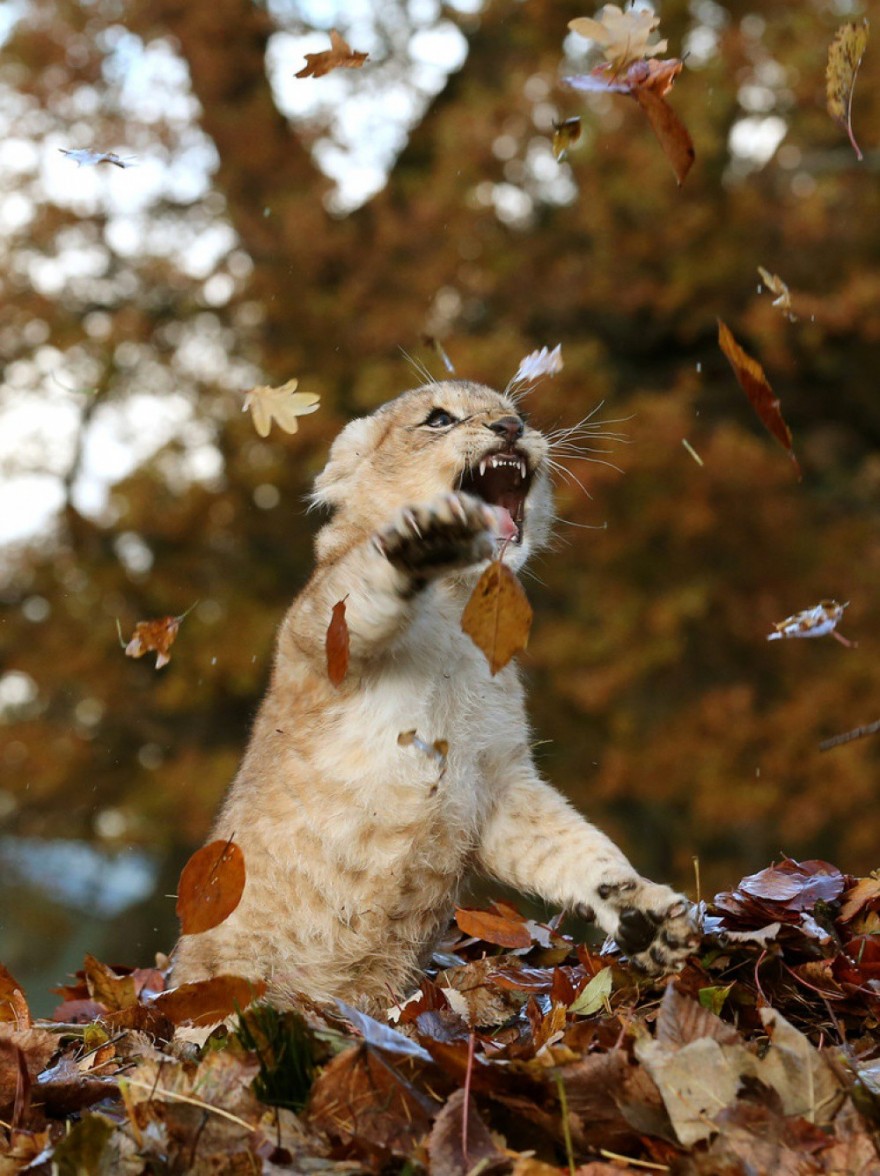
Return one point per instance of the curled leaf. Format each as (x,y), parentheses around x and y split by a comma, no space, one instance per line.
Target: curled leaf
(340,55)
(498,616)
(283,405)
(781,292)
(624,36)
(818,621)
(565,135)
(211,885)
(338,643)
(845,55)
(153,637)
(756,386)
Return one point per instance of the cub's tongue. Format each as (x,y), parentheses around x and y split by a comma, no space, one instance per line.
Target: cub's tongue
(502,522)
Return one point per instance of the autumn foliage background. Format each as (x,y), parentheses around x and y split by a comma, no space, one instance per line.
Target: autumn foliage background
(660,707)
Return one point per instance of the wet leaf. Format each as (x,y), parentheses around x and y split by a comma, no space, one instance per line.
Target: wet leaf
(338,643)
(624,36)
(211,885)
(205,1002)
(845,55)
(754,383)
(498,616)
(595,995)
(565,135)
(84,158)
(340,55)
(818,621)
(154,637)
(284,405)
(777,287)
(492,927)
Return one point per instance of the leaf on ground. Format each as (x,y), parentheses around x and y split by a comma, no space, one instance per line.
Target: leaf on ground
(106,987)
(682,1020)
(340,55)
(284,405)
(565,135)
(154,637)
(595,995)
(13,1006)
(624,36)
(82,1148)
(818,621)
(211,885)
(382,1036)
(781,292)
(36,1046)
(206,1001)
(798,1073)
(498,616)
(865,894)
(845,55)
(65,1089)
(454,1153)
(338,643)
(751,378)
(494,927)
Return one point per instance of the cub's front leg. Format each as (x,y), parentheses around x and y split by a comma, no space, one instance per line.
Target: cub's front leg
(451,532)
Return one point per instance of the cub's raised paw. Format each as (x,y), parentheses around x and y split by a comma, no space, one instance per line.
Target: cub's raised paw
(656,928)
(452,531)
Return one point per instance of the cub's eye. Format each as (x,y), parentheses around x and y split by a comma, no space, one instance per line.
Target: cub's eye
(439,418)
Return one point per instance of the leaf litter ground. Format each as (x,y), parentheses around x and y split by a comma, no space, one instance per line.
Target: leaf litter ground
(762,1055)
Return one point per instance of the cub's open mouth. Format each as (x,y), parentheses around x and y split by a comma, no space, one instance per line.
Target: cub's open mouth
(501,479)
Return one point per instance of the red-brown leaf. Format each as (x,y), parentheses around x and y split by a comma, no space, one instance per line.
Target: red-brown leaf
(207,1001)
(498,616)
(13,1006)
(210,887)
(106,987)
(338,645)
(493,928)
(756,386)
(340,55)
(672,134)
(154,637)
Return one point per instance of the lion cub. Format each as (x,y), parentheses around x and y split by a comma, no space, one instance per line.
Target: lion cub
(355,845)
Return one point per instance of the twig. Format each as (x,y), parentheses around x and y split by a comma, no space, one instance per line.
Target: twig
(696,861)
(848,736)
(610,1155)
(467,1098)
(195,1102)
(566,1126)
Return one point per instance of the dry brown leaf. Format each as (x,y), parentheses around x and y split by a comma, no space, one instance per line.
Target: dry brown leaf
(13,1006)
(338,643)
(756,386)
(498,616)
(460,1141)
(845,55)
(153,637)
(866,891)
(284,405)
(493,927)
(565,135)
(211,885)
(206,1001)
(340,55)
(106,987)
(624,36)
(671,132)
(781,292)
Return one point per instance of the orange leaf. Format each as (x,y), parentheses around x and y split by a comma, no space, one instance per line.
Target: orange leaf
(754,383)
(340,55)
(13,1006)
(153,637)
(493,928)
(210,887)
(207,1001)
(106,987)
(498,616)
(338,644)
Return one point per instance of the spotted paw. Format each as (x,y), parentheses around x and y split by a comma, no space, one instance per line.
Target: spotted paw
(453,531)
(656,928)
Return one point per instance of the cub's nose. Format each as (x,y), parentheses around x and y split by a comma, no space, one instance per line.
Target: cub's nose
(509,427)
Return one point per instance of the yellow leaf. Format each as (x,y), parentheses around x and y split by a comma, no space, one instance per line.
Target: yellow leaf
(498,616)
(283,405)
(844,58)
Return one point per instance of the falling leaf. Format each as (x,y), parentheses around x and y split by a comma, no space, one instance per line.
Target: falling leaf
(493,927)
(338,643)
(844,58)
(498,616)
(754,383)
(818,621)
(283,405)
(340,55)
(204,1002)
(648,82)
(543,362)
(437,751)
(624,36)
(83,158)
(153,637)
(565,135)
(211,885)
(690,449)
(776,286)
(595,995)
(436,346)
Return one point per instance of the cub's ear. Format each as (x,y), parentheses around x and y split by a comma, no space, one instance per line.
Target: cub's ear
(354,445)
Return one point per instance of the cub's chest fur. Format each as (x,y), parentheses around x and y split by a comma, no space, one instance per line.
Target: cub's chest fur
(355,844)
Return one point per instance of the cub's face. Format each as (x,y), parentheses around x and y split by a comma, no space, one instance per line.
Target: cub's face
(446,436)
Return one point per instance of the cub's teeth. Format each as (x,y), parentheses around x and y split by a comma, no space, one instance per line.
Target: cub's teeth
(523,470)
(482,467)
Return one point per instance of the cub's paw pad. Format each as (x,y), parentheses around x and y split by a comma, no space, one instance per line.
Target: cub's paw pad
(454,530)
(660,940)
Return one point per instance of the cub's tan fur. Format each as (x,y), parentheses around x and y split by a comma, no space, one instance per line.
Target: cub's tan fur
(356,846)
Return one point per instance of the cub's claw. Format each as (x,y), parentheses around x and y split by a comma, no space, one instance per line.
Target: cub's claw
(453,531)
(656,928)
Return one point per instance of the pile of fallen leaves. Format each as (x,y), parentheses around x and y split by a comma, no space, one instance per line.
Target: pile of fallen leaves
(523,1051)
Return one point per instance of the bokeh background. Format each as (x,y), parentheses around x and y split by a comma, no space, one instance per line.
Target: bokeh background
(275,227)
